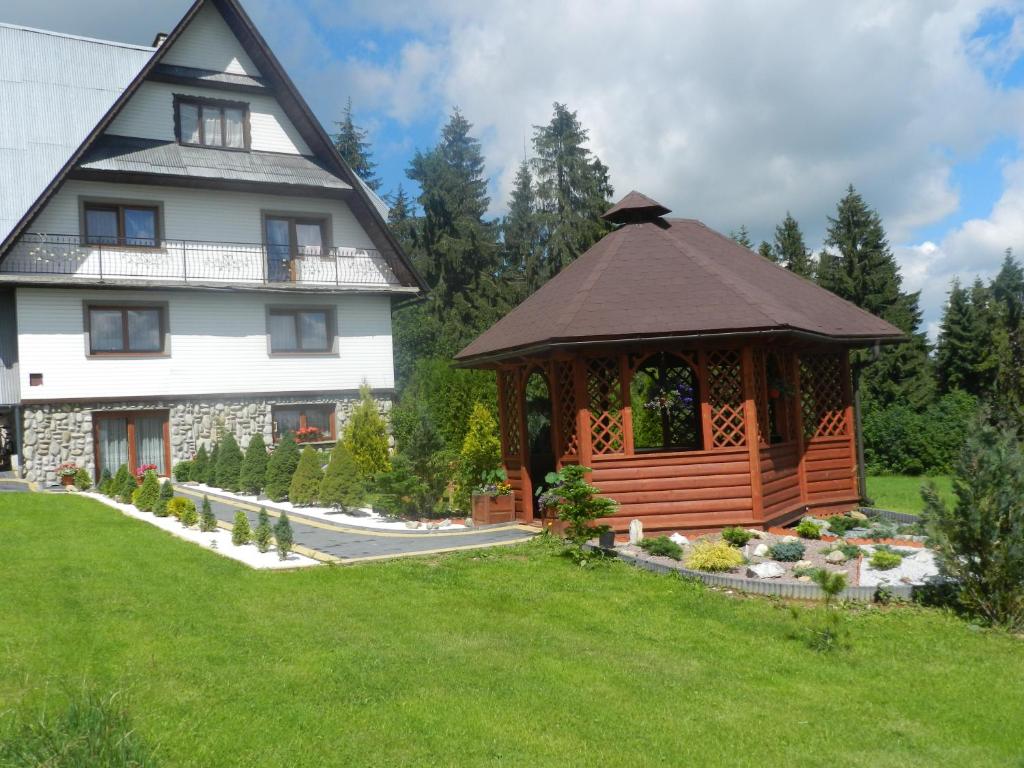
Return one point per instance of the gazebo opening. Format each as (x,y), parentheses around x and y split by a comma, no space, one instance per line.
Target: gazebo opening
(665,398)
(538,426)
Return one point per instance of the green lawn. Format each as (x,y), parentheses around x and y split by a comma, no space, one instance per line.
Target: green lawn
(902,493)
(509,656)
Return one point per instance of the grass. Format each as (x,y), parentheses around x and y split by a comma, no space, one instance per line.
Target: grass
(512,656)
(902,493)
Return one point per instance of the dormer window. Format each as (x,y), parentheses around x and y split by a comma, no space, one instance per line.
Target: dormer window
(211,122)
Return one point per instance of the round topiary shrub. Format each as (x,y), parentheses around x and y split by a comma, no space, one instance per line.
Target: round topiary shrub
(736,536)
(178,507)
(145,496)
(787,551)
(808,529)
(714,556)
(885,559)
(305,485)
(182,471)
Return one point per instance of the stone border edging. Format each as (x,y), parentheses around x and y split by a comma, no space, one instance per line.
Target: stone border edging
(888,514)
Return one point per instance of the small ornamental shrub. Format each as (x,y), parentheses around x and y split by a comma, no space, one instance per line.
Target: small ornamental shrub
(145,496)
(840,524)
(577,503)
(662,546)
(83,480)
(850,550)
(263,536)
(210,474)
(344,484)
(166,494)
(182,471)
(127,490)
(283,536)
(200,463)
(714,556)
(808,529)
(787,551)
(240,531)
(400,491)
(229,463)
(737,536)
(178,506)
(481,451)
(207,520)
(280,468)
(119,483)
(189,516)
(106,481)
(253,476)
(366,435)
(885,559)
(305,483)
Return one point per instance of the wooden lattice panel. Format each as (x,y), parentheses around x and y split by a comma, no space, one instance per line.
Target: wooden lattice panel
(761,397)
(566,384)
(821,389)
(725,396)
(513,416)
(604,395)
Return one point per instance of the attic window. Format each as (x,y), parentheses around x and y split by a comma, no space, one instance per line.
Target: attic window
(211,122)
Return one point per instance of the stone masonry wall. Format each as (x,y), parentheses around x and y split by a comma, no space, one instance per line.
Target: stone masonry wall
(63,432)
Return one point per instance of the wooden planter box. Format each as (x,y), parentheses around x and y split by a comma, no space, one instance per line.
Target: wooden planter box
(494,509)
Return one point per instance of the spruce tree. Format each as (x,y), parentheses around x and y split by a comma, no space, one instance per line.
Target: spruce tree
(240,531)
(263,536)
(1008,344)
(106,481)
(520,231)
(957,351)
(401,220)
(366,435)
(200,463)
(166,494)
(210,475)
(305,483)
(351,143)
(283,537)
(790,250)
(229,463)
(344,484)
(254,466)
(280,468)
(127,487)
(207,520)
(742,237)
(765,249)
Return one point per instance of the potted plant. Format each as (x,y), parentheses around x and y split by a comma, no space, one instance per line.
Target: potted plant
(66,472)
(140,472)
(493,499)
(308,435)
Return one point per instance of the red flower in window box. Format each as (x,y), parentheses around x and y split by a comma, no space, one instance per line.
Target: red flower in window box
(308,435)
(140,473)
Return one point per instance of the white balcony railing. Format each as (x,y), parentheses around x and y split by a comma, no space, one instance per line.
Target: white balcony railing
(185,261)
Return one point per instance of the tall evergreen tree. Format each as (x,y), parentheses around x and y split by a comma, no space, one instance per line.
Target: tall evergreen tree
(742,237)
(790,249)
(401,220)
(572,190)
(765,249)
(351,143)
(1008,343)
(962,348)
(520,229)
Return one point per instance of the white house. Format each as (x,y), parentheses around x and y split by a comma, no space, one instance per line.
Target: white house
(182,250)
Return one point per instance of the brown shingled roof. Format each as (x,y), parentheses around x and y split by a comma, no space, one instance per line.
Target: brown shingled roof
(673,278)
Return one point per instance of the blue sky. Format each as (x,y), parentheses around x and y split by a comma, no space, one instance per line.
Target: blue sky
(730,112)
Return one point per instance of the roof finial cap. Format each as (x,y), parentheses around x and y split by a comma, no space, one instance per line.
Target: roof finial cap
(635,207)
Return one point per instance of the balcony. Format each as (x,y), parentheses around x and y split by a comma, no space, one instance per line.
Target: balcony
(66,258)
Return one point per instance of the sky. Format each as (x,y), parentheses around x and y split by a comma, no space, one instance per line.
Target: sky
(730,111)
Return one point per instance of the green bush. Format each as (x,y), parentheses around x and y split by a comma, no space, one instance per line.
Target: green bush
(145,496)
(200,463)
(263,536)
(166,494)
(126,491)
(182,471)
(481,451)
(885,559)
(343,484)
(183,509)
(280,468)
(434,463)
(189,516)
(305,483)
(210,475)
(577,503)
(662,546)
(240,531)
(119,484)
(787,551)
(283,539)
(841,524)
(83,480)
(366,435)
(106,481)
(400,491)
(713,556)
(253,476)
(850,550)
(808,529)
(980,540)
(229,463)
(207,520)
(736,536)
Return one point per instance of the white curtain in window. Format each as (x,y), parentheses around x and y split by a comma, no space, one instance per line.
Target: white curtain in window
(106,333)
(113,447)
(282,333)
(314,330)
(188,114)
(211,127)
(233,127)
(149,442)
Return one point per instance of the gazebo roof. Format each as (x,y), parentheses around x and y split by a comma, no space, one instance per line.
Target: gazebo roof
(658,278)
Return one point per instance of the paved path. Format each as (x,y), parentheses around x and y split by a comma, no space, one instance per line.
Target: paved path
(349,543)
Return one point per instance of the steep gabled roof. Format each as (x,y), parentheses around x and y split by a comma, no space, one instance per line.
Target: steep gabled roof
(101,111)
(672,278)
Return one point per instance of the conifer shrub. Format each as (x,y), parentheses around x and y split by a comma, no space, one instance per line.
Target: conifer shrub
(280,467)
(885,559)
(166,494)
(200,462)
(229,464)
(207,520)
(344,484)
(210,473)
(119,482)
(841,524)
(283,537)
(178,506)
(713,556)
(240,531)
(126,491)
(253,476)
(787,551)
(263,536)
(577,502)
(106,482)
(305,483)
(145,496)
(808,529)
(662,546)
(481,451)
(182,471)
(83,480)
(188,516)
(736,536)
(400,492)
(366,435)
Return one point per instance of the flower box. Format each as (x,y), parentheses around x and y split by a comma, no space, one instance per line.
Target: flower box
(493,509)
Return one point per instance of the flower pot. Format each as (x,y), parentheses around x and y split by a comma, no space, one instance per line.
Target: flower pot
(488,510)
(606,540)
(67,480)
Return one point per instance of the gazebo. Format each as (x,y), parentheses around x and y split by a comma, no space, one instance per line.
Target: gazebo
(704,385)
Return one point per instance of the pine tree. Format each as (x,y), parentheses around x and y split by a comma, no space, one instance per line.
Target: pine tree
(572,191)
(366,435)
(351,143)
(305,483)
(790,250)
(207,520)
(166,494)
(401,220)
(229,463)
(344,484)
(765,249)
(520,229)
(742,237)
(957,352)
(283,537)
(263,536)
(240,532)
(254,466)
(210,475)
(1008,344)
(280,468)
(200,463)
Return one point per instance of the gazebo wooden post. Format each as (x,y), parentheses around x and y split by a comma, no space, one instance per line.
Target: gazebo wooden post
(798,426)
(582,411)
(851,423)
(521,377)
(751,431)
(705,401)
(555,395)
(627,405)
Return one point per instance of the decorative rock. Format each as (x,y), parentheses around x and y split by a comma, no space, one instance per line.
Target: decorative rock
(858,515)
(755,533)
(786,539)
(836,557)
(679,539)
(636,532)
(769,570)
(803,564)
(761,550)
(803,578)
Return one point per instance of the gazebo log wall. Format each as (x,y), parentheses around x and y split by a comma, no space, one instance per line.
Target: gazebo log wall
(740,476)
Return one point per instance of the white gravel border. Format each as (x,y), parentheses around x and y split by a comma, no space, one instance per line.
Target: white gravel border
(917,567)
(218,541)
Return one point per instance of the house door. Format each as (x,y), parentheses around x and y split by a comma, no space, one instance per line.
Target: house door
(135,439)
(289,239)
(541,452)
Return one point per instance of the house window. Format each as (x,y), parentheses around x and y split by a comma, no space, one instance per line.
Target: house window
(309,423)
(135,439)
(212,122)
(121,224)
(134,330)
(298,331)
(289,238)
